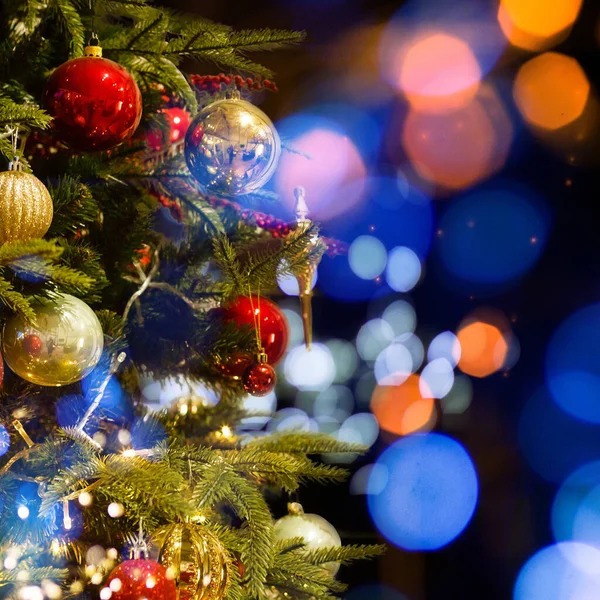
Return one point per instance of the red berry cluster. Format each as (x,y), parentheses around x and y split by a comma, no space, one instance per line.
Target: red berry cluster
(215,83)
(173,207)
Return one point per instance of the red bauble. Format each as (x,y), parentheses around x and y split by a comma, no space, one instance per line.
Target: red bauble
(259,379)
(32,344)
(274,329)
(141,579)
(178,120)
(95,102)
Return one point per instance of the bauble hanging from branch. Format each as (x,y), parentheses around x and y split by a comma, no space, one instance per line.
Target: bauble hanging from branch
(95,102)
(26,207)
(61,347)
(232,148)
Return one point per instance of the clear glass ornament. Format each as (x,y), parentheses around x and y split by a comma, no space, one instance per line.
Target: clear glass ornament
(61,347)
(232,147)
(316,531)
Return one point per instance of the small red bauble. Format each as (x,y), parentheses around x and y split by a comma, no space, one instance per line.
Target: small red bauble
(274,329)
(141,579)
(32,345)
(178,120)
(259,379)
(95,102)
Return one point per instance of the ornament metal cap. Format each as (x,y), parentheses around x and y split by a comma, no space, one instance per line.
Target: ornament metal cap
(93,49)
(262,357)
(295,508)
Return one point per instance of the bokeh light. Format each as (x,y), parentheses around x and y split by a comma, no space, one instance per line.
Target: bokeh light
(459,398)
(403,269)
(295,326)
(370,479)
(401,409)
(291,419)
(430,493)
(324,160)
(159,394)
(401,317)
(374,337)
(551,90)
(444,345)
(310,369)
(336,402)
(438,50)
(367,257)
(537,25)
(573,364)
(565,571)
(4,440)
(393,365)
(576,508)
(484,347)
(456,150)
(288,284)
(492,237)
(553,442)
(147,433)
(345,358)
(437,379)
(361,428)
(438,72)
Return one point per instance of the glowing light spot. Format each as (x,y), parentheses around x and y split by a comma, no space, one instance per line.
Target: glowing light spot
(115,510)
(393,365)
(295,326)
(367,257)
(370,479)
(85,499)
(537,25)
(437,379)
(345,358)
(116,585)
(444,345)
(96,578)
(459,149)
(259,410)
(105,593)
(31,592)
(310,370)
(551,90)
(401,409)
(403,269)
(325,161)
(336,402)
(290,419)
(430,494)
(487,236)
(401,317)
(4,440)
(23,512)
(150,582)
(439,72)
(361,428)
(573,367)
(484,349)
(373,337)
(124,437)
(564,571)
(459,398)
(288,284)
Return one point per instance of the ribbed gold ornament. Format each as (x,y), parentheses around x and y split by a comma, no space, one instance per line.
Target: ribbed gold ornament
(196,559)
(25,207)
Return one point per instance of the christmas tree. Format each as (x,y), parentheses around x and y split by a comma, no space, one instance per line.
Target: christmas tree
(130,256)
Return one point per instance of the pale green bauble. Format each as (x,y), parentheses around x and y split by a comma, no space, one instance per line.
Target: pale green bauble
(316,531)
(61,346)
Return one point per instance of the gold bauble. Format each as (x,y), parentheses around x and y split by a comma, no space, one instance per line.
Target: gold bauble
(61,347)
(196,560)
(25,207)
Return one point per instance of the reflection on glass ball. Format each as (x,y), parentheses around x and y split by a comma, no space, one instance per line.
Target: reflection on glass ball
(62,346)
(232,148)
(316,531)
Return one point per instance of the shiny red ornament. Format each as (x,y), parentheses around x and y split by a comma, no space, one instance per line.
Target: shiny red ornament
(259,379)
(95,102)
(141,579)
(178,121)
(32,345)
(274,329)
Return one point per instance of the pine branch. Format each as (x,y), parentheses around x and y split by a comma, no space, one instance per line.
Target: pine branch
(70,20)
(34,575)
(15,301)
(345,554)
(306,443)
(23,115)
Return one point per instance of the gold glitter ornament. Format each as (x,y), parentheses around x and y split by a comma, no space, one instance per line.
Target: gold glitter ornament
(25,206)
(196,560)
(60,347)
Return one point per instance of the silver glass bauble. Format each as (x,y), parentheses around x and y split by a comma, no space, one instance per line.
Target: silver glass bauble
(232,148)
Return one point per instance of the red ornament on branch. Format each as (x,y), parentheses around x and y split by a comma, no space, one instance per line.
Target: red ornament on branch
(141,579)
(178,121)
(259,377)
(274,329)
(95,102)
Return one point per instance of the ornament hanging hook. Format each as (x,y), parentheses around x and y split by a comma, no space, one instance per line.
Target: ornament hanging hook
(14,164)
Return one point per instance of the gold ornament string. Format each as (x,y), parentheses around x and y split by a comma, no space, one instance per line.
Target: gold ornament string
(256,317)
(21,430)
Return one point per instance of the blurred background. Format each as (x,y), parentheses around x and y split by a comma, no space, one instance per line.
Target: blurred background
(454,146)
